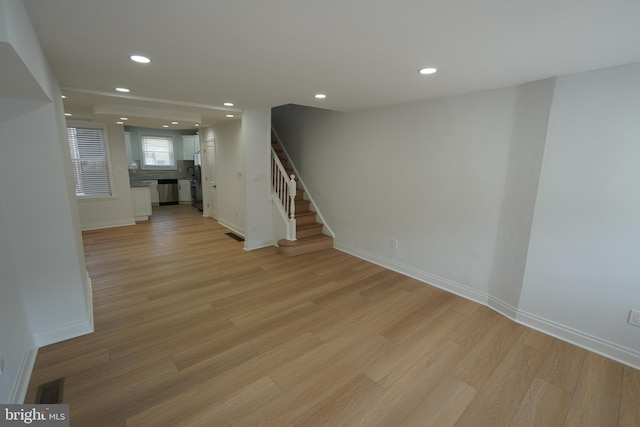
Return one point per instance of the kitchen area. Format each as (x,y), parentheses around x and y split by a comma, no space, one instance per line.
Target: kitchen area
(164,168)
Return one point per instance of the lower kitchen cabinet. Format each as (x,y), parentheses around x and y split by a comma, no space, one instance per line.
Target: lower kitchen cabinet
(184,191)
(141,198)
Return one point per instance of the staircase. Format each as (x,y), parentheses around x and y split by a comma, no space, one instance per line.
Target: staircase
(308,231)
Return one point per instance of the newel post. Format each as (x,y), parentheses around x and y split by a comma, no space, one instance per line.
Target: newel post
(292,207)
(292,195)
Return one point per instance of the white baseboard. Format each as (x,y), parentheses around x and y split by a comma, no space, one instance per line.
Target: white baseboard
(233,227)
(61,333)
(89,300)
(423,276)
(258,245)
(24,376)
(106,224)
(589,342)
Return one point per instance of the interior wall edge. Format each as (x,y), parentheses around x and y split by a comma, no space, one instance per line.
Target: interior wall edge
(24,375)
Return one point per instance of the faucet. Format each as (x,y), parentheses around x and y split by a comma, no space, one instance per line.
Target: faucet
(192,171)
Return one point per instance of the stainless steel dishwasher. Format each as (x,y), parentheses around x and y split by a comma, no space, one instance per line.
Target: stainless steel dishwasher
(168,191)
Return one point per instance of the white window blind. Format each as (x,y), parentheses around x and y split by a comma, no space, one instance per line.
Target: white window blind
(89,159)
(157,152)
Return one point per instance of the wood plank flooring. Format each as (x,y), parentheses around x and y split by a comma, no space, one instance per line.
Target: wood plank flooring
(191,330)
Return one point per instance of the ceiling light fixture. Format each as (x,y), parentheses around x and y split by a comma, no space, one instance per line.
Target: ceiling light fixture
(63,96)
(228,104)
(67,114)
(165,126)
(428,70)
(119,123)
(174,123)
(230,115)
(320,96)
(197,125)
(124,118)
(140,59)
(122,89)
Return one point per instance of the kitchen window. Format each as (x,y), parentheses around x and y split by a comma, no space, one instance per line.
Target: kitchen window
(89,157)
(157,152)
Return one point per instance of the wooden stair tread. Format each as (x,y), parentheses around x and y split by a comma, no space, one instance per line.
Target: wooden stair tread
(307,226)
(305,245)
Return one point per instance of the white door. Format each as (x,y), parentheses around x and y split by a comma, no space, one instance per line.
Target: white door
(209,158)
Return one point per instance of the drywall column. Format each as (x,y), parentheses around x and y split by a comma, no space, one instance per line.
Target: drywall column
(582,273)
(531,117)
(39,222)
(256,137)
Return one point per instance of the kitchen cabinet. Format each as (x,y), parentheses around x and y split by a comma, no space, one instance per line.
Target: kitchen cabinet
(184,191)
(190,145)
(141,200)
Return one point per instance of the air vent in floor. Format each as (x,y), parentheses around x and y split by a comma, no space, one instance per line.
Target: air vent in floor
(50,393)
(235,237)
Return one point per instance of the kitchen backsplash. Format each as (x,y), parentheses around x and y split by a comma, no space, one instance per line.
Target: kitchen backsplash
(180,172)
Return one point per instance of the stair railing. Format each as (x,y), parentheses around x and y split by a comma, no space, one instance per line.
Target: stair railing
(284,192)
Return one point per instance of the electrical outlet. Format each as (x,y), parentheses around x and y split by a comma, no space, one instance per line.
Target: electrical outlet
(1,365)
(634,317)
(394,244)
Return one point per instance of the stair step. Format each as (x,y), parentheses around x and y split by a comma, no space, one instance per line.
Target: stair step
(303,218)
(308,230)
(302,205)
(305,245)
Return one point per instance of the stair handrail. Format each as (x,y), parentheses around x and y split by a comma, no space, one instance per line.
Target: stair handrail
(326,229)
(284,189)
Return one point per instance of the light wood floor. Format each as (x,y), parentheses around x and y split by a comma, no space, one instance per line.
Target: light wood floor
(193,330)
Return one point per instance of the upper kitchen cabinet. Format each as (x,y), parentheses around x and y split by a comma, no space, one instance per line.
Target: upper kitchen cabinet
(190,145)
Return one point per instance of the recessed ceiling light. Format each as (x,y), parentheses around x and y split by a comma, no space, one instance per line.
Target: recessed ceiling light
(228,104)
(165,126)
(124,118)
(62,96)
(119,123)
(197,125)
(174,123)
(320,96)
(122,89)
(140,59)
(229,115)
(428,70)
(67,114)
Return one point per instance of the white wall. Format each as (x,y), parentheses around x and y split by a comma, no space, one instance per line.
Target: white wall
(117,210)
(44,271)
(256,142)
(528,138)
(582,274)
(523,198)
(15,333)
(230,176)
(428,174)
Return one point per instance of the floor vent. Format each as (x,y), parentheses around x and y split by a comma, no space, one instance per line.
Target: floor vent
(50,393)
(235,237)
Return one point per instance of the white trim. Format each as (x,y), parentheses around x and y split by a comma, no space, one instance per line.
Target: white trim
(624,355)
(89,300)
(106,224)
(61,333)
(231,227)
(259,245)
(21,385)
(428,278)
(581,339)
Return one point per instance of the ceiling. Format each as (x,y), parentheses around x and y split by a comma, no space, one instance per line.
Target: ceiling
(360,53)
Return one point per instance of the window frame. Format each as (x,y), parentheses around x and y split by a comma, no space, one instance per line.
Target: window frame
(107,150)
(172,154)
